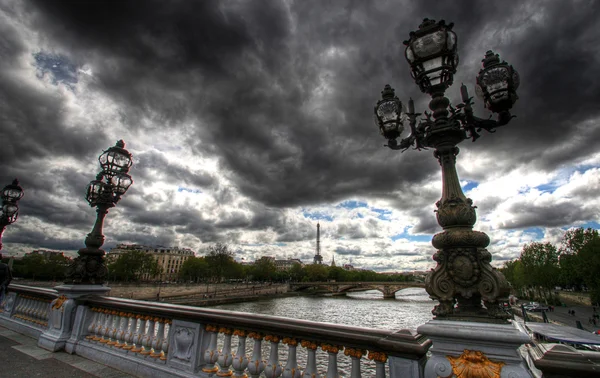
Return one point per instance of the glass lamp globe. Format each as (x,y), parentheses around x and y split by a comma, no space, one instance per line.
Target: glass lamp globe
(12,192)
(497,83)
(388,114)
(115,160)
(95,190)
(10,212)
(432,54)
(120,183)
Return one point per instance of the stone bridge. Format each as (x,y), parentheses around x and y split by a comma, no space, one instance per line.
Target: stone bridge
(388,289)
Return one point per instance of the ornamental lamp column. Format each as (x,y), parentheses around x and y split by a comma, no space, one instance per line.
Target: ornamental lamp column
(103,193)
(471,334)
(463,277)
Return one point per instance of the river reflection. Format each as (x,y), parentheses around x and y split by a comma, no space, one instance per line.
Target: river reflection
(411,308)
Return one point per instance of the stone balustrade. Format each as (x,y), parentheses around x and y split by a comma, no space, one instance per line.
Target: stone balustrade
(149,339)
(167,340)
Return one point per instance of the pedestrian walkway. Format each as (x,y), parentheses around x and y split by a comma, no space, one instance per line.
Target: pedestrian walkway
(20,357)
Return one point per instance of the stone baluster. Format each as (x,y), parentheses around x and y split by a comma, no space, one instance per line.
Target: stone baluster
(356,355)
(165,342)
(225,357)
(256,365)
(100,326)
(36,311)
(211,355)
(273,368)
(19,306)
(114,328)
(332,352)
(128,337)
(46,312)
(291,368)
(105,326)
(109,327)
(120,335)
(147,339)
(311,362)
(380,359)
(158,339)
(28,308)
(139,335)
(240,359)
(93,324)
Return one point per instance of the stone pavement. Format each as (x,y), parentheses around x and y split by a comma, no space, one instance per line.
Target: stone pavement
(561,315)
(21,357)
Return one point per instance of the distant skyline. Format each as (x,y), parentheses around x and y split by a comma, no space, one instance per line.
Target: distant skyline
(249,122)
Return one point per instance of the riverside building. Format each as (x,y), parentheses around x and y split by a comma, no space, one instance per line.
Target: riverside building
(170,259)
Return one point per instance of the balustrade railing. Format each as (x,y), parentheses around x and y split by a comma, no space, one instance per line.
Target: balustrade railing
(185,341)
(29,305)
(264,345)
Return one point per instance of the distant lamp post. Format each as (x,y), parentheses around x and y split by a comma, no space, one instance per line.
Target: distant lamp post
(463,275)
(11,194)
(102,193)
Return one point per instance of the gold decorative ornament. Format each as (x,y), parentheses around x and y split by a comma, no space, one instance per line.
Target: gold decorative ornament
(377,356)
(331,348)
(309,345)
(272,338)
(355,352)
(290,341)
(474,364)
(225,330)
(240,333)
(255,335)
(210,328)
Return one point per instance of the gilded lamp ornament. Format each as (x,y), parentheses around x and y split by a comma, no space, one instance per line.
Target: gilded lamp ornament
(102,193)
(463,279)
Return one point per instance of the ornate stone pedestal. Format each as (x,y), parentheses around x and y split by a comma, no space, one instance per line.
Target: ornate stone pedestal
(62,314)
(470,349)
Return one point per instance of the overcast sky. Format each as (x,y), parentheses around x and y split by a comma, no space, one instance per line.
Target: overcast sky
(249,121)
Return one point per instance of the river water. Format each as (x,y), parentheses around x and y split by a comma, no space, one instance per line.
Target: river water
(411,308)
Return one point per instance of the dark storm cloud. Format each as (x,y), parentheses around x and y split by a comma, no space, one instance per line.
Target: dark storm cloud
(283,97)
(348,251)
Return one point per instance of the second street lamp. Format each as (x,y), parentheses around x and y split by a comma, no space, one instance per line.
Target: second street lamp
(463,275)
(103,193)
(11,194)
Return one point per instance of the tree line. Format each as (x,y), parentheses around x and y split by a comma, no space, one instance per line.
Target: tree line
(573,264)
(217,265)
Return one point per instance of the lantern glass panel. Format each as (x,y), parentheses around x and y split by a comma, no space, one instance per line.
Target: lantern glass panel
(430,44)
(433,64)
(9,210)
(12,194)
(410,55)
(388,111)
(451,40)
(94,191)
(121,182)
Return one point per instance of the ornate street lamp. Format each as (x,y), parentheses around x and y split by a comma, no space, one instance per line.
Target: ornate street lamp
(11,194)
(463,275)
(102,193)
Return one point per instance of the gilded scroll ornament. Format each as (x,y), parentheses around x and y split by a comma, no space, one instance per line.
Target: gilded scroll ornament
(59,302)
(474,364)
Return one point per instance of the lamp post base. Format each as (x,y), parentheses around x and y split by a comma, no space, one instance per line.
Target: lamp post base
(87,269)
(470,349)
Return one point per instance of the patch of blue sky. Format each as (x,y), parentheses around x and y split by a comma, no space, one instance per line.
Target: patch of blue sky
(280,244)
(591,224)
(384,214)
(188,190)
(352,204)
(59,69)
(253,244)
(316,215)
(411,237)
(469,185)
(537,231)
(548,187)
